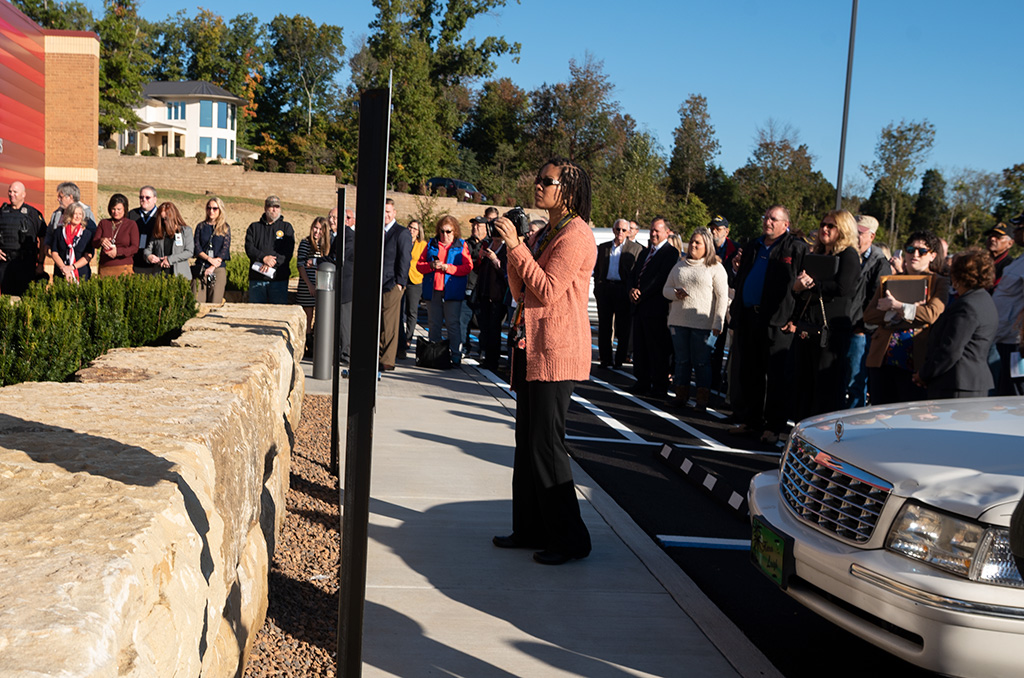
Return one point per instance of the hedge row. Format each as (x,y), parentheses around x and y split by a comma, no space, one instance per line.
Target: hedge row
(55,331)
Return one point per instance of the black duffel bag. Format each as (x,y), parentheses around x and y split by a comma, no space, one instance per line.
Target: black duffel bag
(433,354)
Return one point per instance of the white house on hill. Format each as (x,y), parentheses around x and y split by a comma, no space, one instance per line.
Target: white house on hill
(193,115)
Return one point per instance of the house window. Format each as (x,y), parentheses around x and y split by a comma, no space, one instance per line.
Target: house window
(181,110)
(222,148)
(233,158)
(205,113)
(171,112)
(206,146)
(233,113)
(222,115)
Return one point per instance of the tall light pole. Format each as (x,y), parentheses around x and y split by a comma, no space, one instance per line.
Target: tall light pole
(846,107)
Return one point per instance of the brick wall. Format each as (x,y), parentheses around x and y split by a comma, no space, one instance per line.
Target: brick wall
(72,113)
(184,174)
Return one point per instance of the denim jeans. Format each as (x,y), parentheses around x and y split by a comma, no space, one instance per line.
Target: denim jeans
(857,371)
(445,313)
(268,291)
(692,352)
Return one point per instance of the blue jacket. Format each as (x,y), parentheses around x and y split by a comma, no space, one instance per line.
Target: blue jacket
(454,285)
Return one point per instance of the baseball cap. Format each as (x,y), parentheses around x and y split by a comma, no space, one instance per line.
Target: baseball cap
(719,222)
(867,224)
(999,230)
(1018,220)
(272,201)
(478,220)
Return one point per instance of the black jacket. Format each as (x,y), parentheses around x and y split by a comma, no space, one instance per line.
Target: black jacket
(785,261)
(650,279)
(262,239)
(397,256)
(627,258)
(958,345)
(871,272)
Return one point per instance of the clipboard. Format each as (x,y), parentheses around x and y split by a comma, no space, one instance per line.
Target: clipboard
(821,266)
(907,289)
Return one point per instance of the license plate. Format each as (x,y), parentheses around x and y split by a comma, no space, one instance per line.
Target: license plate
(771,551)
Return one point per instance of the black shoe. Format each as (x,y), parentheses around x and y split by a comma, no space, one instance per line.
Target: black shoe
(547,557)
(512,542)
(638,389)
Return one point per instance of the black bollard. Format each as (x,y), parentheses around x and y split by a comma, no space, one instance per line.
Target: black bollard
(323,342)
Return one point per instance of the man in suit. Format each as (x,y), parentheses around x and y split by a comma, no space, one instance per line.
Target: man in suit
(615,260)
(651,342)
(346,266)
(144,217)
(394,278)
(761,313)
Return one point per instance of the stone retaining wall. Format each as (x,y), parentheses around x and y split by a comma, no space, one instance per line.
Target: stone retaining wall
(140,505)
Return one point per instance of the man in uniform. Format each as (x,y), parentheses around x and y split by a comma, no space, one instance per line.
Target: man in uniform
(270,245)
(22,230)
(615,260)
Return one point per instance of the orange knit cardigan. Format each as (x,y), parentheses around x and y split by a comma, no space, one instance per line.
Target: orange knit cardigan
(557,288)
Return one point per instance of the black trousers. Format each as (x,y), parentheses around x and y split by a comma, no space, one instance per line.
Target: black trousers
(763,354)
(545,509)
(652,348)
(489,315)
(613,313)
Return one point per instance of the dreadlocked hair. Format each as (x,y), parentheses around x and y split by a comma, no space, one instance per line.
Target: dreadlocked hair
(575,185)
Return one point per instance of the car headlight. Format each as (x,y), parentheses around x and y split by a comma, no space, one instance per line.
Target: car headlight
(962,547)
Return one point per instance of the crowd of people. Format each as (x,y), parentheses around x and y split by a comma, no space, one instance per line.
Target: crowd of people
(817,323)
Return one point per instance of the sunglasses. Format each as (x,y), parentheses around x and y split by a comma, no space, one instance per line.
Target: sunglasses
(448,231)
(213,207)
(921,251)
(547,181)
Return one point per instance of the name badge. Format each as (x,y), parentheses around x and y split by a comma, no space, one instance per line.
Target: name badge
(178,240)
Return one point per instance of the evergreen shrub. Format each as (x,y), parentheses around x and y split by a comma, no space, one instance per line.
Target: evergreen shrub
(55,331)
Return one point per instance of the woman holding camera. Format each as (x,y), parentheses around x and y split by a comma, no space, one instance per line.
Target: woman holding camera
(445,264)
(172,243)
(549,277)
(213,250)
(312,249)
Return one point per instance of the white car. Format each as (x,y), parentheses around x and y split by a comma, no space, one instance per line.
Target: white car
(892,522)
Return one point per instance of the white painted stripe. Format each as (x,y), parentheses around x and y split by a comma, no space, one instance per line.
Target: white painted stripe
(729,450)
(687,465)
(704,542)
(608,420)
(617,441)
(711,442)
(710,481)
(735,500)
(666,451)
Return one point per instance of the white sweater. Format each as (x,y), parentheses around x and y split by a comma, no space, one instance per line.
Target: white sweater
(707,299)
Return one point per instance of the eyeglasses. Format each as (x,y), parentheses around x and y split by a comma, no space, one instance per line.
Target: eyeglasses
(447,231)
(921,251)
(147,197)
(547,181)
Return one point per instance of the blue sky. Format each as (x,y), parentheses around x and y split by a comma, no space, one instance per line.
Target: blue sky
(957,64)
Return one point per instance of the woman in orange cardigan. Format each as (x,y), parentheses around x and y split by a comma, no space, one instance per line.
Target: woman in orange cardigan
(549,277)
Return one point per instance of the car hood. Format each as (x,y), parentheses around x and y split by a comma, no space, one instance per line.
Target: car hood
(964,456)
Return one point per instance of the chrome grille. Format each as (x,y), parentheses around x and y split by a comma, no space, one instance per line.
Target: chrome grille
(825,491)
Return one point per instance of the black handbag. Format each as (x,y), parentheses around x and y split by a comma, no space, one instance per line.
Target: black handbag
(435,355)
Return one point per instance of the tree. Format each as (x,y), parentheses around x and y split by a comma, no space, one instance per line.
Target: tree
(579,119)
(633,187)
(974,195)
(306,59)
(779,172)
(65,16)
(930,209)
(1011,195)
(498,117)
(124,62)
(421,45)
(900,151)
(695,145)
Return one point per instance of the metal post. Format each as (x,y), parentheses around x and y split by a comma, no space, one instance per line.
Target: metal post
(374,121)
(339,257)
(846,107)
(323,343)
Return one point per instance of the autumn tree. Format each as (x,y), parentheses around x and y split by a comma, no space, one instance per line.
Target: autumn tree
(973,197)
(124,61)
(695,145)
(900,150)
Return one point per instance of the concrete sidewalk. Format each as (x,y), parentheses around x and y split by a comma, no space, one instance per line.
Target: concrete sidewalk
(441,600)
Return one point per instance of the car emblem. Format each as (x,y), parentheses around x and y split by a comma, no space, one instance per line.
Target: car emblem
(839,430)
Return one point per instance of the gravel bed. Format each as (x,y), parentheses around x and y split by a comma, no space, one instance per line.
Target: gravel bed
(299,637)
